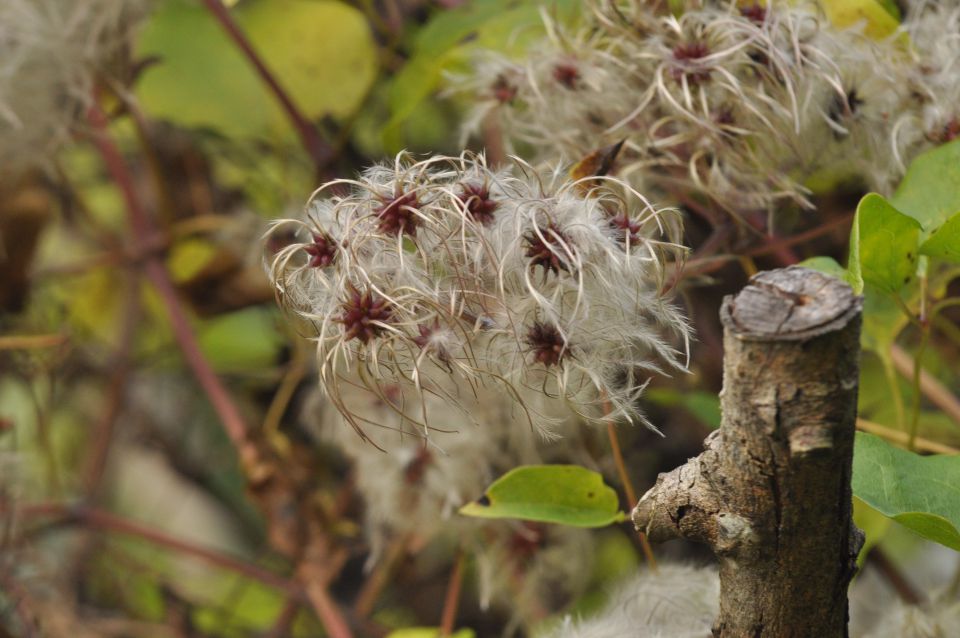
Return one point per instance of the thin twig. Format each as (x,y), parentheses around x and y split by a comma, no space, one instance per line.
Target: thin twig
(281,625)
(318,150)
(156,272)
(452,599)
(330,616)
(103,433)
(936,392)
(892,574)
(217,394)
(100,519)
(782,252)
(370,591)
(799,238)
(621,466)
(628,488)
(31,342)
(296,370)
(902,438)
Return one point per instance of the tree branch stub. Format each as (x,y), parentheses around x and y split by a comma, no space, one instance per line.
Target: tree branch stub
(770,494)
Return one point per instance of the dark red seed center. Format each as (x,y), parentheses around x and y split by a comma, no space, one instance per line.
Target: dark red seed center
(398,214)
(362,315)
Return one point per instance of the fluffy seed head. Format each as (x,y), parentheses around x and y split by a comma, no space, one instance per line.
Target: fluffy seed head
(689,62)
(476,198)
(548,248)
(322,251)
(514,279)
(364,315)
(398,214)
(53,53)
(546,343)
(567,75)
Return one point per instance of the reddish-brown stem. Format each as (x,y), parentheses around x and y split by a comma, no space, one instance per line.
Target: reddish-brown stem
(788,242)
(452,599)
(706,212)
(621,466)
(281,625)
(31,342)
(102,437)
(333,621)
(493,139)
(704,263)
(318,150)
(224,406)
(156,272)
(367,598)
(99,519)
(628,488)
(782,252)
(892,574)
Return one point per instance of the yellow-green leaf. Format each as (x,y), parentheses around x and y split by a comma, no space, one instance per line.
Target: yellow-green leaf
(883,246)
(944,242)
(245,340)
(930,191)
(322,54)
(878,21)
(566,494)
(188,257)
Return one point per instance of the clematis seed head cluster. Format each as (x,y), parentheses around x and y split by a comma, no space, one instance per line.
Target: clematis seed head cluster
(744,103)
(447,276)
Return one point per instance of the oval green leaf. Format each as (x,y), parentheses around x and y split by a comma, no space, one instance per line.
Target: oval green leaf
(883,245)
(920,492)
(242,341)
(879,18)
(930,191)
(565,494)
(321,53)
(944,243)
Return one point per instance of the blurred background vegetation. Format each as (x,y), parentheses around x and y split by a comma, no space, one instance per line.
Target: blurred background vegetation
(155,475)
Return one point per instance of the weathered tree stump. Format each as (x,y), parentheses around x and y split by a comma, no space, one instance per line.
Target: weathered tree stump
(770,494)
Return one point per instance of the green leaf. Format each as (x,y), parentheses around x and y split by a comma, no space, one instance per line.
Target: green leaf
(920,492)
(245,340)
(826,265)
(930,191)
(880,18)
(883,320)
(944,242)
(321,53)
(872,523)
(188,257)
(883,245)
(566,494)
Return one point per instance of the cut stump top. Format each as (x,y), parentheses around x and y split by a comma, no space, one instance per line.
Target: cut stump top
(789,304)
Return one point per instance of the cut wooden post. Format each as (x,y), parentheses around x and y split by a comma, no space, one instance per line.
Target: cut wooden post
(770,494)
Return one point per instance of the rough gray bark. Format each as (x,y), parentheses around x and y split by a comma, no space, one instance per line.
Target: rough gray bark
(770,494)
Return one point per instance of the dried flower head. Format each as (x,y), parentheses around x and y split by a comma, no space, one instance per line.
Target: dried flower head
(739,101)
(52,52)
(514,279)
(677,601)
